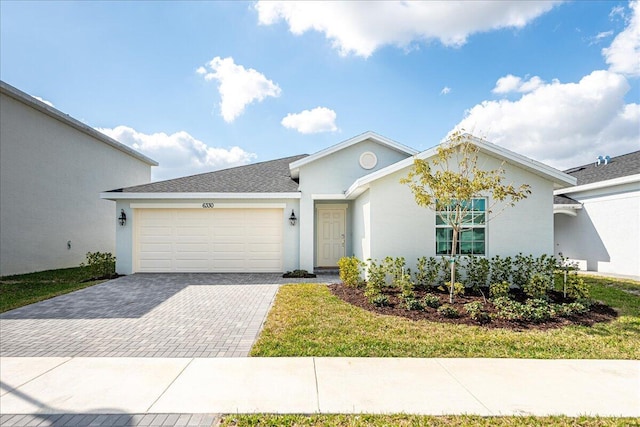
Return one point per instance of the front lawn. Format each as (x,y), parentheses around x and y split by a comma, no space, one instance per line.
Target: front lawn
(419,420)
(307,320)
(17,291)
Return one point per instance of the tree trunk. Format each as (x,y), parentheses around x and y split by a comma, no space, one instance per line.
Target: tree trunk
(452,261)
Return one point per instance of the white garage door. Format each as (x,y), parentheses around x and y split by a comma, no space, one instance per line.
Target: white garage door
(208,240)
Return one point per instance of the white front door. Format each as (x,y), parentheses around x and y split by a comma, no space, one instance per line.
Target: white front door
(331,236)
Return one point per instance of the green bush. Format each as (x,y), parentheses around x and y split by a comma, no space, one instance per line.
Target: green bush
(431,300)
(508,308)
(458,288)
(534,310)
(477,269)
(350,271)
(395,267)
(376,274)
(537,286)
(576,288)
(413,304)
(477,312)
(380,300)
(427,272)
(523,268)
(571,309)
(100,265)
(405,285)
(499,290)
(500,269)
(449,311)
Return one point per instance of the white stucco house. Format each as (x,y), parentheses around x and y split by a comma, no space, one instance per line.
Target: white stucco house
(307,211)
(597,221)
(52,170)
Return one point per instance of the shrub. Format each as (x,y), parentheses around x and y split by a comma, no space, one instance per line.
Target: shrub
(477,272)
(508,308)
(445,268)
(427,271)
(413,304)
(449,311)
(537,310)
(576,288)
(395,267)
(380,300)
(431,300)
(523,267)
(458,288)
(537,286)
(298,274)
(500,269)
(100,264)
(477,312)
(405,285)
(350,269)
(571,309)
(499,290)
(376,280)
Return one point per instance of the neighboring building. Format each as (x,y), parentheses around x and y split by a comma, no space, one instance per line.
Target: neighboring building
(346,200)
(52,170)
(597,222)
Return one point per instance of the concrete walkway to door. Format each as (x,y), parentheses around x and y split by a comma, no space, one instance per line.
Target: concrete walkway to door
(147,315)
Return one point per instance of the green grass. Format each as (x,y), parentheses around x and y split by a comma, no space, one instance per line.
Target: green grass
(307,320)
(420,420)
(17,291)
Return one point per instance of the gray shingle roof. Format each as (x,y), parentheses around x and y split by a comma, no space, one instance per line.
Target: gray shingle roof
(264,177)
(627,164)
(564,200)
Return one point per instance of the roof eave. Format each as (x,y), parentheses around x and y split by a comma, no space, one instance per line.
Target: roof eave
(600,184)
(116,195)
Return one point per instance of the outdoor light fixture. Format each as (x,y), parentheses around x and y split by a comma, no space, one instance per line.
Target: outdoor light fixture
(122,218)
(292,218)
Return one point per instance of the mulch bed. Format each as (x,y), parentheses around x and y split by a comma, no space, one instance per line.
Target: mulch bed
(355,296)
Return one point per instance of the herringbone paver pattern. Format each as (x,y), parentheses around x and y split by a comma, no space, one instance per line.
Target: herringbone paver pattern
(111,420)
(146,315)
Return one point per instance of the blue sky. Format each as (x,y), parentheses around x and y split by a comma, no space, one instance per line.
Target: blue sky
(200,86)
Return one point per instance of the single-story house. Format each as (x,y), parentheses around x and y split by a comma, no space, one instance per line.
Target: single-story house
(52,169)
(307,211)
(597,221)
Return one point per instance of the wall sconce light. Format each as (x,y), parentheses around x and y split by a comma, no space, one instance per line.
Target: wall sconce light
(292,218)
(122,218)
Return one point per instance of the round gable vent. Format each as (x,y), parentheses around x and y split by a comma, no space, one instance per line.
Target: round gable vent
(368,160)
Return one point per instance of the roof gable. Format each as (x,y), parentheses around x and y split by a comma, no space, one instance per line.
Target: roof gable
(295,166)
(20,96)
(560,179)
(265,177)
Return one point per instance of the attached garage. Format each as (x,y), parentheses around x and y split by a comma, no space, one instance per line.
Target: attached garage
(208,240)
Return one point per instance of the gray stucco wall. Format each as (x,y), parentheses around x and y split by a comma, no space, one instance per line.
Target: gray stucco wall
(604,236)
(51,176)
(399,227)
(334,174)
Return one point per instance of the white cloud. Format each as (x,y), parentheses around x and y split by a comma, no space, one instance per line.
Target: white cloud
(600,36)
(445,90)
(511,83)
(44,101)
(562,124)
(179,154)
(361,27)
(623,56)
(320,119)
(238,86)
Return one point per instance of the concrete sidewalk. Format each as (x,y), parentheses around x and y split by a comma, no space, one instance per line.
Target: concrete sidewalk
(319,385)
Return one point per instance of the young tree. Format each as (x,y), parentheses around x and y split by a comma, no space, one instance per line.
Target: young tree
(450,181)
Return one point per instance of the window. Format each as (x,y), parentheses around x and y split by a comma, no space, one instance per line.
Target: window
(471,240)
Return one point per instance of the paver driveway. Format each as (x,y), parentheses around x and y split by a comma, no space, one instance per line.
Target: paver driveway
(145,315)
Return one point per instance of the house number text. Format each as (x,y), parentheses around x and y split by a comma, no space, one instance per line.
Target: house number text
(207,205)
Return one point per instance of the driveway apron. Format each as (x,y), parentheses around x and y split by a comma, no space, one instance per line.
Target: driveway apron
(145,315)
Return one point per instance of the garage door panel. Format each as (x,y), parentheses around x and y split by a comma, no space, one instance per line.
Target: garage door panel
(209,240)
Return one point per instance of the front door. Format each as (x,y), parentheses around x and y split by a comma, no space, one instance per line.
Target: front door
(331,236)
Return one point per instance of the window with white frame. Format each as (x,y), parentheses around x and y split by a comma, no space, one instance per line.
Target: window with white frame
(472,238)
